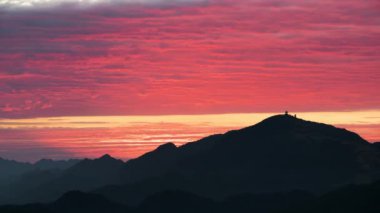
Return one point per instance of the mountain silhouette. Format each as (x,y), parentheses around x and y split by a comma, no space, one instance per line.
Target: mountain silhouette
(11,168)
(85,175)
(46,164)
(347,199)
(18,177)
(377,145)
(281,153)
(278,155)
(89,173)
(152,164)
(41,185)
(76,201)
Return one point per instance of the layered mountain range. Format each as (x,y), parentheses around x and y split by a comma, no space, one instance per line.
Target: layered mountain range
(281,154)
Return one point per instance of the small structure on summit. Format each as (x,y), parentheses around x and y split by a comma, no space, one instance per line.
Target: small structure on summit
(287,114)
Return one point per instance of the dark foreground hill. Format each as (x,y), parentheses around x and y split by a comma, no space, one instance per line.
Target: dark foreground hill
(348,199)
(278,155)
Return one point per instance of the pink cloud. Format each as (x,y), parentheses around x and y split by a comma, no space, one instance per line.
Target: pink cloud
(215,57)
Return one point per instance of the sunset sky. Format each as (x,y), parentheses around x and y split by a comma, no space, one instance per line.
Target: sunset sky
(81,78)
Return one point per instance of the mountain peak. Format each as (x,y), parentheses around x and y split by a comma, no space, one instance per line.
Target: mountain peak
(282,122)
(297,127)
(106,157)
(166,146)
(282,118)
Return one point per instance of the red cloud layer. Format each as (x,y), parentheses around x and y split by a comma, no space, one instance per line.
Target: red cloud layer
(220,56)
(207,57)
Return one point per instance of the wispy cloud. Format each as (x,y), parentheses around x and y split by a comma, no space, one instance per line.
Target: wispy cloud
(51,4)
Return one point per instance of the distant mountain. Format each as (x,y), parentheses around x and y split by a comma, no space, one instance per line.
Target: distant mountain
(10,169)
(92,173)
(85,175)
(278,155)
(18,178)
(46,164)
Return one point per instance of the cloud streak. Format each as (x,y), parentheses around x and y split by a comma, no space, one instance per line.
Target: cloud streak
(79,4)
(130,136)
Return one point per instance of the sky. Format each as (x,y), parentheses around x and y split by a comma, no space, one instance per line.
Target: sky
(81,78)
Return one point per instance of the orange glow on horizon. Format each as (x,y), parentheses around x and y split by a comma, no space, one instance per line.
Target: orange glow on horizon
(130,136)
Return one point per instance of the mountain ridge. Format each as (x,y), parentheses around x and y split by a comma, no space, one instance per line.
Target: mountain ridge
(279,154)
(347,199)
